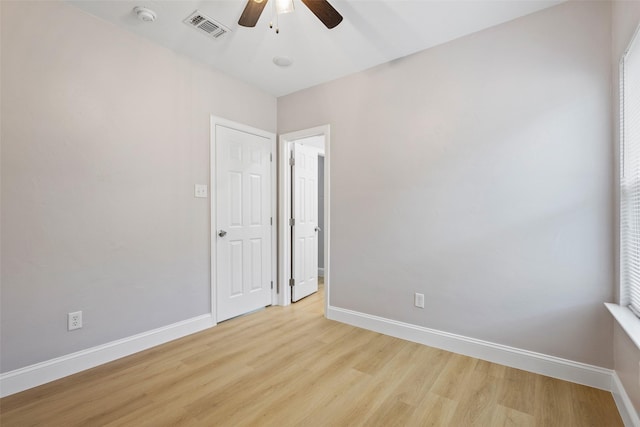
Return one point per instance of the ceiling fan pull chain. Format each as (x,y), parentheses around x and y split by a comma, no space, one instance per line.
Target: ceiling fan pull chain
(274,13)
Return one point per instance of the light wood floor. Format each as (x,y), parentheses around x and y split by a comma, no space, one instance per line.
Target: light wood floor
(290,366)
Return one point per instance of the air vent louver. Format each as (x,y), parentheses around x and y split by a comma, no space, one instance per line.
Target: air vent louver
(206,25)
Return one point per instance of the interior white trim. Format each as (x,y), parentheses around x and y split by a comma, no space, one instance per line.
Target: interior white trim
(284,208)
(627,411)
(40,373)
(627,320)
(215,121)
(556,367)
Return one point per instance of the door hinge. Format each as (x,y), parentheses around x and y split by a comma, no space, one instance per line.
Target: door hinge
(271,157)
(292,282)
(272,284)
(292,161)
(292,222)
(271,221)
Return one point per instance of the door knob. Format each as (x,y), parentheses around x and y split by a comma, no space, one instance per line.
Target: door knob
(222,233)
(318,229)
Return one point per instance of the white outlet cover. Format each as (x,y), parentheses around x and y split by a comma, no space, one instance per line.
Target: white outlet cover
(418,300)
(74,320)
(200,190)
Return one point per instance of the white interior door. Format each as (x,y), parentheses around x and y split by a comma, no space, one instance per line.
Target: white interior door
(243,216)
(305,214)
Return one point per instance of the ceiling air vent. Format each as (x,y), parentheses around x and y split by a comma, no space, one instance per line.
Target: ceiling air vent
(206,25)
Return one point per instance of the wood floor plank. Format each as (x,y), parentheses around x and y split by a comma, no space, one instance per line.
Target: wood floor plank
(392,413)
(336,412)
(553,405)
(416,385)
(590,405)
(518,390)
(289,366)
(452,379)
(435,410)
(507,417)
(306,394)
(480,397)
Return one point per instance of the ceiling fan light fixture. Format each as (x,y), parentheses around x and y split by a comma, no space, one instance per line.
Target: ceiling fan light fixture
(283,6)
(322,9)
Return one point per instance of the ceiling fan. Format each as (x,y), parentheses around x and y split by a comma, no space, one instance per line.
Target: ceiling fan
(321,8)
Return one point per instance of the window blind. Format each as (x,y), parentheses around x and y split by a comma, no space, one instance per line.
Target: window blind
(630,176)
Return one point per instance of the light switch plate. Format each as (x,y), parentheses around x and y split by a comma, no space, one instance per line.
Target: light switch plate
(200,190)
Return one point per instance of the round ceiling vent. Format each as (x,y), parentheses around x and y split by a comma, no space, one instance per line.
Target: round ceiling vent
(144,14)
(282,61)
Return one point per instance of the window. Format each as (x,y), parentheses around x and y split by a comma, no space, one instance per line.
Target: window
(630,176)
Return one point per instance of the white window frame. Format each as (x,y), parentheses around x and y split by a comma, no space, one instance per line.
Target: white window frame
(624,313)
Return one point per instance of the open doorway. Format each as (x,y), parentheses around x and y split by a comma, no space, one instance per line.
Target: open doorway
(311,147)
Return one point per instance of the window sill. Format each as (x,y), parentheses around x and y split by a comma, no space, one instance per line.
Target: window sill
(629,322)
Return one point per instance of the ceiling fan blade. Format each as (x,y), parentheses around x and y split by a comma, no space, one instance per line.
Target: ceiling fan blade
(324,11)
(252,12)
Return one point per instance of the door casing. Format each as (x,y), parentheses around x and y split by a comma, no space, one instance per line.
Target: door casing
(284,208)
(215,121)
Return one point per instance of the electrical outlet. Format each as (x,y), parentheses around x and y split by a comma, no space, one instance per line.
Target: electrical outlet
(418,300)
(74,320)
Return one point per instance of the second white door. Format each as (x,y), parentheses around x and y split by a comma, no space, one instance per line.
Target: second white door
(305,214)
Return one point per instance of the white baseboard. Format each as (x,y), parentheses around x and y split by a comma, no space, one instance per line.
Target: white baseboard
(581,373)
(538,363)
(623,402)
(320,271)
(50,370)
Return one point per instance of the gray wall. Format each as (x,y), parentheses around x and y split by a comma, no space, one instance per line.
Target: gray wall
(479,173)
(103,137)
(625,18)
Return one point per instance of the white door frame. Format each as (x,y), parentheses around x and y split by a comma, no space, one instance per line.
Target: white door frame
(218,121)
(284,205)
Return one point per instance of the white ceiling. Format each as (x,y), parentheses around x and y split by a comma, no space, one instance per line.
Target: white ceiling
(372,33)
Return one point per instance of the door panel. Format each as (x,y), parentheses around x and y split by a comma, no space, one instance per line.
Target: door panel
(235,268)
(243,229)
(256,265)
(305,210)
